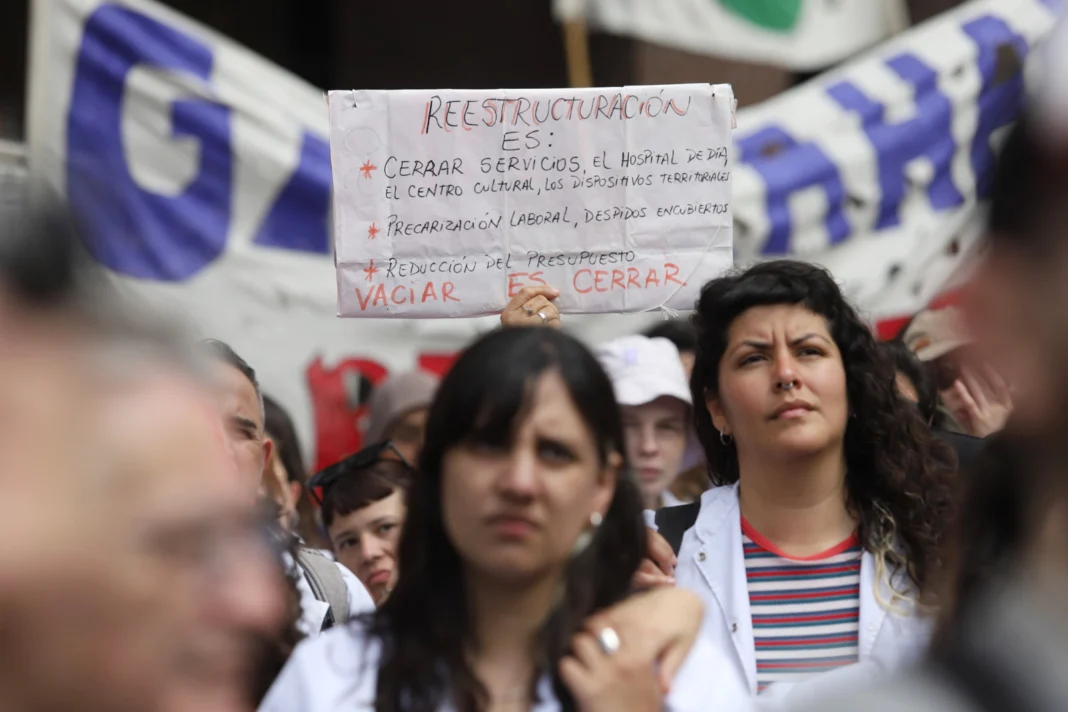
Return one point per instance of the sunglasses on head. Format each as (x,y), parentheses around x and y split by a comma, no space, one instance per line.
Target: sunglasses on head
(368,457)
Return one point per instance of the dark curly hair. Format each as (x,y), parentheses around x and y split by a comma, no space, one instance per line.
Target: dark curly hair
(901,482)
(906,363)
(424,625)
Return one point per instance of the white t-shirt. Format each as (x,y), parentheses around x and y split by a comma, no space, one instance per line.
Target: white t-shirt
(338,672)
(313,611)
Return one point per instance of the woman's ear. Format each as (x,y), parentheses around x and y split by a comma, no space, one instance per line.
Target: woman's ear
(606,487)
(715,411)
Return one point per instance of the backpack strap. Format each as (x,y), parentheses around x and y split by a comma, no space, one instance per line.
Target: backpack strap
(326,583)
(673,522)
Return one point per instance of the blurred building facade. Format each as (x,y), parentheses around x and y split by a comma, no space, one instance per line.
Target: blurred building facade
(420,44)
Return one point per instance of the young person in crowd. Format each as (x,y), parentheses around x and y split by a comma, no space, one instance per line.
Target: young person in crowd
(365,503)
(330,593)
(693,480)
(817,547)
(523,523)
(398,412)
(651,390)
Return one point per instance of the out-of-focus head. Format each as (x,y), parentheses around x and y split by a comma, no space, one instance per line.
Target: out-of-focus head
(364,509)
(524,444)
(681,333)
(1018,307)
(524,453)
(191,529)
(651,388)
(77,618)
(241,404)
(398,412)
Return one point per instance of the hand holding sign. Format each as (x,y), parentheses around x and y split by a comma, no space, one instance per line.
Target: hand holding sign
(619,197)
(532,306)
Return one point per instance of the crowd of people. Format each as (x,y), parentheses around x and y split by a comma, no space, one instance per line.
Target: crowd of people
(762,507)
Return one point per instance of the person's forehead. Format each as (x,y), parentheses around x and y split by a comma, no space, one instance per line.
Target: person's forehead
(360,519)
(235,386)
(767,319)
(553,412)
(165,424)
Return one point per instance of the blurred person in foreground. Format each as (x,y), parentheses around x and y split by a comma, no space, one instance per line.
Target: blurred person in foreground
(651,389)
(398,411)
(190,526)
(1003,638)
(330,593)
(524,533)
(115,494)
(77,627)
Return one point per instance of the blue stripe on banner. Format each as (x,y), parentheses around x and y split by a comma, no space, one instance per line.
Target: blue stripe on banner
(297,220)
(127,228)
(928,134)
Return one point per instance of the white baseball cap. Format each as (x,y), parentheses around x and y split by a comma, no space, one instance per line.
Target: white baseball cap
(644,369)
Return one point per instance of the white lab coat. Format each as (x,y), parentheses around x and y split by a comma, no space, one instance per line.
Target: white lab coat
(338,672)
(711,563)
(313,611)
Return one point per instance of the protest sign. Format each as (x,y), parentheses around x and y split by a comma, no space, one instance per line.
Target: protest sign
(448,202)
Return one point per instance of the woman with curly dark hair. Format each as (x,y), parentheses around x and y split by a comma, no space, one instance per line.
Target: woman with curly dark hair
(816,548)
(524,529)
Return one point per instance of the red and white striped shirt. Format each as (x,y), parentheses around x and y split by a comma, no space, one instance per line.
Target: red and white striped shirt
(806,612)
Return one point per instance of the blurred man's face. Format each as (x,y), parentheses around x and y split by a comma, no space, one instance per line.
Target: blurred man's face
(243,419)
(77,631)
(194,536)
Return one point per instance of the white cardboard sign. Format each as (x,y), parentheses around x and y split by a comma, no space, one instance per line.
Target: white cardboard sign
(447,202)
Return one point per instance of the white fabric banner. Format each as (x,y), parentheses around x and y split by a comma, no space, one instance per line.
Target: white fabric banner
(200,175)
(803,35)
(619,198)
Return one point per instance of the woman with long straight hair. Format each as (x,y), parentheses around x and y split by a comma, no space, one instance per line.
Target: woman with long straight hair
(524,525)
(816,547)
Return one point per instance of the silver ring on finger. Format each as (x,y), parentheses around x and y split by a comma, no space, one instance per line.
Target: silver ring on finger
(608,640)
(544,319)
